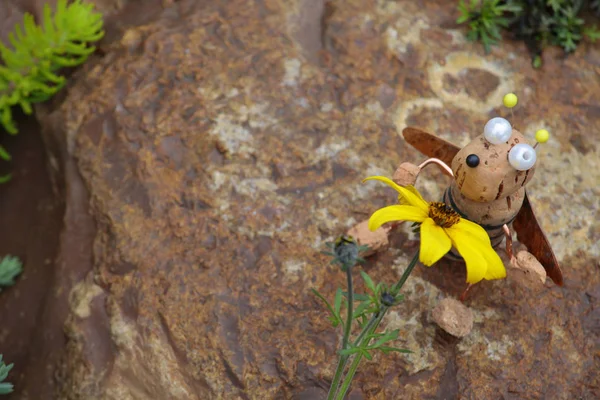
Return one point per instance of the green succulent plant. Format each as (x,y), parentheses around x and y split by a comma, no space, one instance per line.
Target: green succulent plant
(5,387)
(10,267)
(37,53)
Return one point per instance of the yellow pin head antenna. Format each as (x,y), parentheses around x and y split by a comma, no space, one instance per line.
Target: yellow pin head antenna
(541,136)
(510,100)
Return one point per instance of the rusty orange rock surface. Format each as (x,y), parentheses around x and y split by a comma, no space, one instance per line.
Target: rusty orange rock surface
(222,144)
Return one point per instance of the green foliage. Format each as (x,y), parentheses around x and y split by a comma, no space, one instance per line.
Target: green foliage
(567,29)
(37,52)
(485,19)
(538,23)
(10,267)
(5,387)
(381,339)
(335,317)
(370,304)
(368,314)
(592,33)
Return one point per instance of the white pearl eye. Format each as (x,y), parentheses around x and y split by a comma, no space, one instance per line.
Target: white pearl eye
(497,130)
(522,157)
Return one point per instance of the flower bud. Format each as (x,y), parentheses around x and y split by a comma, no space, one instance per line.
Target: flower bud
(346,251)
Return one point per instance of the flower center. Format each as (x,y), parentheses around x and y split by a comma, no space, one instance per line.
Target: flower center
(443,215)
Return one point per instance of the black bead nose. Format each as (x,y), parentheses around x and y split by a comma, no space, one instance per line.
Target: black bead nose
(472,160)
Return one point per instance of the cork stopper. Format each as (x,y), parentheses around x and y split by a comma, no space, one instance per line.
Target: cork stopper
(454,317)
(376,240)
(406,174)
(527,270)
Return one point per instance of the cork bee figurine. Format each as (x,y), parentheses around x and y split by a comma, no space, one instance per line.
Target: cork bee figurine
(490,174)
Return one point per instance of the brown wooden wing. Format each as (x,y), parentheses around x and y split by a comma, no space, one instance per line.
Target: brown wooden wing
(531,235)
(430,145)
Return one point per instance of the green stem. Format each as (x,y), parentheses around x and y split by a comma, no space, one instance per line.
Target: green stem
(343,358)
(350,310)
(357,359)
(365,329)
(396,288)
(337,377)
(371,326)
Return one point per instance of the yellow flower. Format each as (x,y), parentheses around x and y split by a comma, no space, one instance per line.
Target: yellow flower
(442,228)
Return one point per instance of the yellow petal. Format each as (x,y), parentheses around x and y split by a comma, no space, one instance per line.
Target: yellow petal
(407,194)
(435,243)
(402,199)
(495,266)
(415,192)
(470,248)
(395,213)
(471,228)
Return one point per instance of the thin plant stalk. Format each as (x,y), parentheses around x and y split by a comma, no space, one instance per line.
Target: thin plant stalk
(357,359)
(350,310)
(406,274)
(337,377)
(343,358)
(371,326)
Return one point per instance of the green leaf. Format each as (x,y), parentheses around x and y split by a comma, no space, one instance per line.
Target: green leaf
(337,302)
(5,387)
(387,350)
(357,296)
(350,351)
(361,309)
(387,337)
(366,354)
(10,267)
(363,320)
(592,33)
(462,19)
(503,22)
(334,318)
(555,4)
(512,8)
(368,281)
(4,154)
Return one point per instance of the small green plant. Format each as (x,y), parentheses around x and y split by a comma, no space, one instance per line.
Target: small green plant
(36,54)
(592,33)
(485,19)
(5,387)
(368,314)
(10,268)
(569,28)
(538,23)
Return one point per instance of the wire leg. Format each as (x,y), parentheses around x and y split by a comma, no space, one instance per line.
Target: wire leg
(440,163)
(509,241)
(463,296)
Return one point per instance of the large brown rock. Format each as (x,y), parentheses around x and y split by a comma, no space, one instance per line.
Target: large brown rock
(223,143)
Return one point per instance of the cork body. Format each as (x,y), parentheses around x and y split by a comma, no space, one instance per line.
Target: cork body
(490,215)
(489,192)
(493,178)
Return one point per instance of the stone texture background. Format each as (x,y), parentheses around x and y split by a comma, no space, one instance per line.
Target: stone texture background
(218,145)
